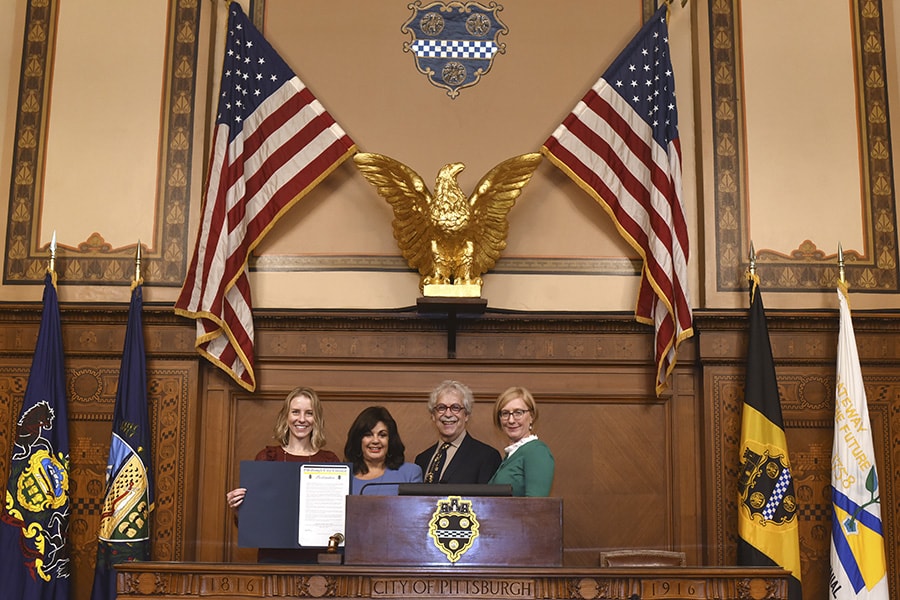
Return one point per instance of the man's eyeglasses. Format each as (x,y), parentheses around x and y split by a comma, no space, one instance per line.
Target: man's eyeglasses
(515,414)
(443,408)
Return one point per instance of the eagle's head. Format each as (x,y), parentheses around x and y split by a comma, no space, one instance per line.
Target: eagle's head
(450,211)
(446,181)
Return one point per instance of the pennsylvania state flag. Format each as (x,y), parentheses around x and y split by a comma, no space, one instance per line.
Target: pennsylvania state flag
(34,520)
(768,532)
(125,516)
(858,565)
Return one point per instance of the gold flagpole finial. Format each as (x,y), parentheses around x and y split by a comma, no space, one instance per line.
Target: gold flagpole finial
(752,259)
(841,264)
(137,266)
(52,266)
(752,277)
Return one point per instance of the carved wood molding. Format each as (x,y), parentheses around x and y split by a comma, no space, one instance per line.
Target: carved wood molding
(226,581)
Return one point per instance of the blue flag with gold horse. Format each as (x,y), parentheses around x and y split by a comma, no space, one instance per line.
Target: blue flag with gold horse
(34,519)
(125,517)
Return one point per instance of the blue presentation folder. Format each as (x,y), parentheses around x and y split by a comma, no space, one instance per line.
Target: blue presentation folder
(269,515)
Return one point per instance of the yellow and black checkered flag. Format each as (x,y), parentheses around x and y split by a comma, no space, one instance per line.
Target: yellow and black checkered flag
(768,533)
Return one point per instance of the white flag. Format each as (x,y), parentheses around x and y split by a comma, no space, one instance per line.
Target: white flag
(858,566)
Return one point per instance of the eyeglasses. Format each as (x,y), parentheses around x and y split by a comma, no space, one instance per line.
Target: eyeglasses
(443,408)
(515,414)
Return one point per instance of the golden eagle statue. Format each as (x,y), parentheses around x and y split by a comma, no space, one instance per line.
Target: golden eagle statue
(449,238)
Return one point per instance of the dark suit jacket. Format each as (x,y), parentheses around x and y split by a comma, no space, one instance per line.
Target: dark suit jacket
(474,462)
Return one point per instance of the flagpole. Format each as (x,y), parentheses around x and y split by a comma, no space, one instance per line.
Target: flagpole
(751,272)
(752,259)
(842,281)
(858,563)
(841,264)
(34,544)
(137,267)
(129,470)
(765,538)
(52,267)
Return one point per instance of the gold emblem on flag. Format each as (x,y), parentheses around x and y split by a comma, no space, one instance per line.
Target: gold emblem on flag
(766,487)
(125,507)
(43,484)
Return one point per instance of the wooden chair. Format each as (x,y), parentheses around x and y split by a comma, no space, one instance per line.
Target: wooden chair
(642,558)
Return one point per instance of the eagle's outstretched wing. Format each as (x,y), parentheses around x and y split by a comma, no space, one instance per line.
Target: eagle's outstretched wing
(491,202)
(410,198)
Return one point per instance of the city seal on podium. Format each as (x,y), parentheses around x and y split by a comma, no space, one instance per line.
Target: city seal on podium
(453,527)
(454,43)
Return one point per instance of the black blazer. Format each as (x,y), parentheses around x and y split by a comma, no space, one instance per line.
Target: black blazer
(474,462)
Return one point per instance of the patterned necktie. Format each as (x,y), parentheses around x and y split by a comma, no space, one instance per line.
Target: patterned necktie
(437,464)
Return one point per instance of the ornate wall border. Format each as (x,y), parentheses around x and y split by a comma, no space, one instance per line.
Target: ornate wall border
(95,261)
(509,266)
(257,11)
(807,268)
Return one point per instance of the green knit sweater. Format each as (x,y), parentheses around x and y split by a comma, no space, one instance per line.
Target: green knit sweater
(529,470)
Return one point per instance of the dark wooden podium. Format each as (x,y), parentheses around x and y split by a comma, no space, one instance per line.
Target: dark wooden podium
(412,530)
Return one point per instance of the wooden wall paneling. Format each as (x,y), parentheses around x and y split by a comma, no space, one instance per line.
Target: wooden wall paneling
(216,533)
(172,394)
(621,452)
(615,477)
(13,379)
(613,458)
(686,460)
(723,393)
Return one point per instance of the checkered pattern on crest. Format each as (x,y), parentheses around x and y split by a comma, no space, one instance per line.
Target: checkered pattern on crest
(454,49)
(781,486)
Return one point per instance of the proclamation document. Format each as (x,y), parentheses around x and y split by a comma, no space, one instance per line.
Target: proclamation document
(323,491)
(292,505)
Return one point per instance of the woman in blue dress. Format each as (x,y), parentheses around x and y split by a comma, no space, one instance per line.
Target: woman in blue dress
(377,453)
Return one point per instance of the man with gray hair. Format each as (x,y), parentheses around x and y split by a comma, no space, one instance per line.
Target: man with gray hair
(457,457)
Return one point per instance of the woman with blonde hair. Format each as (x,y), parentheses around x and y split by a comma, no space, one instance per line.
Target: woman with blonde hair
(300,433)
(527,464)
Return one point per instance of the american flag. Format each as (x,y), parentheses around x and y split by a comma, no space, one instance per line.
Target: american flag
(273,142)
(620,144)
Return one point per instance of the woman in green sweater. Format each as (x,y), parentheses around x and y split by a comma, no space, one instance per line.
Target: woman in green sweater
(527,464)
